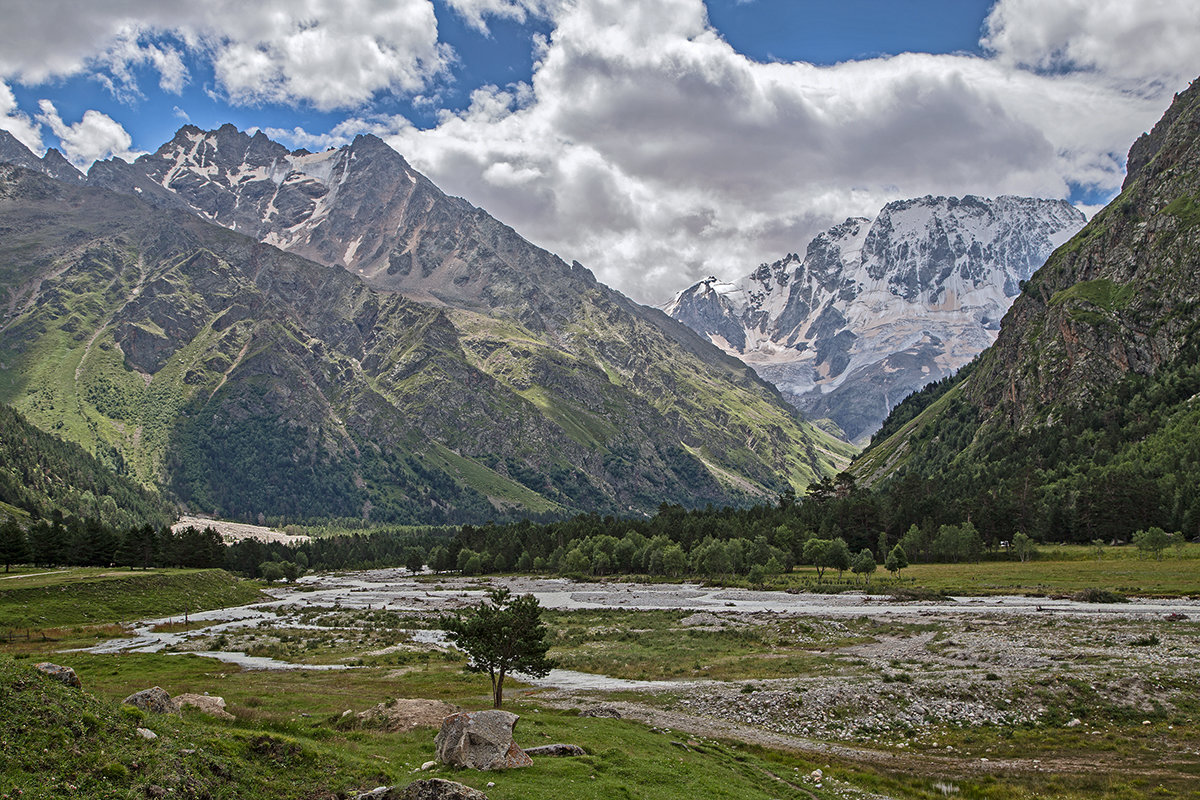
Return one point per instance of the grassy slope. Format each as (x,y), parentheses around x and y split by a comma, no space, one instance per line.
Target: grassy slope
(88,596)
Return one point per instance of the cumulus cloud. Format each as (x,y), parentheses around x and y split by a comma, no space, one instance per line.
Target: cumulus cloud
(332,54)
(17,123)
(476,12)
(649,149)
(645,145)
(1147,45)
(96,136)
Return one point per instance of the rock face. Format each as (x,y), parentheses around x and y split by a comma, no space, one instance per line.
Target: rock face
(878,308)
(209,704)
(480,740)
(154,700)
(59,673)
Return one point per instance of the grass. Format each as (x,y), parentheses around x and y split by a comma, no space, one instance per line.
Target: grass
(273,751)
(91,596)
(292,739)
(655,645)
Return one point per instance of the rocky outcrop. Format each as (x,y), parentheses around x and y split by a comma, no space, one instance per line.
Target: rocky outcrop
(404,715)
(480,740)
(879,308)
(154,700)
(64,675)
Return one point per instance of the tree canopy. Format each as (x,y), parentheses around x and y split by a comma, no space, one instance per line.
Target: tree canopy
(503,634)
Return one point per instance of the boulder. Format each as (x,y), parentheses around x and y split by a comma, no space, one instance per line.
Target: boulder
(401,716)
(480,740)
(209,704)
(429,789)
(440,789)
(556,750)
(154,700)
(59,673)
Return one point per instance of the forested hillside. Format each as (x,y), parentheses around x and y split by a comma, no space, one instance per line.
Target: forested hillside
(40,474)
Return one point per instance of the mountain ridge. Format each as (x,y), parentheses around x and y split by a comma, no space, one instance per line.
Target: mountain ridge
(595,404)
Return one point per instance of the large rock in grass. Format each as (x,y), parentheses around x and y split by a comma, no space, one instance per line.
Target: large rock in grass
(154,701)
(209,704)
(431,789)
(480,740)
(556,750)
(61,674)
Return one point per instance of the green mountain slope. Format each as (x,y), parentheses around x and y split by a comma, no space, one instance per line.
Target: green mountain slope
(251,381)
(40,474)
(1080,422)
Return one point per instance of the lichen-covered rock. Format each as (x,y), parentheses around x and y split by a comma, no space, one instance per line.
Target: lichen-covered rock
(62,674)
(440,789)
(480,740)
(406,714)
(556,750)
(209,704)
(154,700)
(428,789)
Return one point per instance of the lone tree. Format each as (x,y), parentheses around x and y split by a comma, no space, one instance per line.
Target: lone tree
(503,634)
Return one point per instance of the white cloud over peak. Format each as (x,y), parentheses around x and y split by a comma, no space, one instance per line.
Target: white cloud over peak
(96,136)
(647,148)
(17,123)
(645,145)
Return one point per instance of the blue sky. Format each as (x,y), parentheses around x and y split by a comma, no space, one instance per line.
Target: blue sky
(656,142)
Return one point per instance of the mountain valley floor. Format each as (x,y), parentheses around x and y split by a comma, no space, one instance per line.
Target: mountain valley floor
(721,692)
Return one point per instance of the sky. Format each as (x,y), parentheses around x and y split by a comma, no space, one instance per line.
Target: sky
(657,142)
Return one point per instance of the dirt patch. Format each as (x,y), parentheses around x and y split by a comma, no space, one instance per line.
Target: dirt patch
(237,531)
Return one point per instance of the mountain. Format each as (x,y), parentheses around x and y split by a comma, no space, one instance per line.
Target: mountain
(878,308)
(54,163)
(1080,421)
(253,381)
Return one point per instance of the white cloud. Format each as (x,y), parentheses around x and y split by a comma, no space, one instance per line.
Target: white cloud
(1147,45)
(644,145)
(17,123)
(475,12)
(329,53)
(96,136)
(651,151)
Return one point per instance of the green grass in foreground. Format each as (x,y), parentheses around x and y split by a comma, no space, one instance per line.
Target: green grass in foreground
(90,596)
(270,751)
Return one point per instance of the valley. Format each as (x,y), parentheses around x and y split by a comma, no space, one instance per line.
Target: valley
(1006,695)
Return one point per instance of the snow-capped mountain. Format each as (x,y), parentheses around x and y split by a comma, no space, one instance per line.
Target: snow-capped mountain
(878,308)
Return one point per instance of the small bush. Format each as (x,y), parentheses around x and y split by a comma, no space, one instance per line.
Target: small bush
(1099,596)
